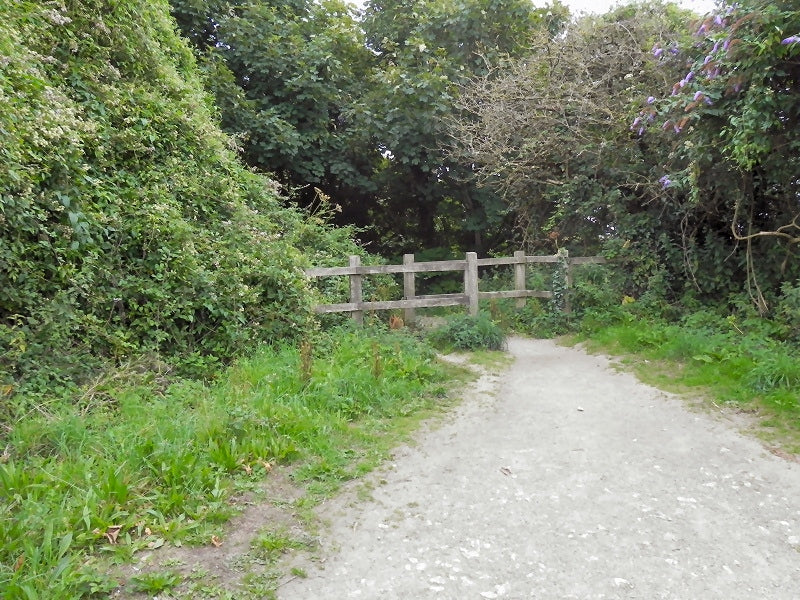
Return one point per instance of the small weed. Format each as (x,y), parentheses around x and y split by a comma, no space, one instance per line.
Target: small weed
(199,574)
(212,592)
(155,582)
(298,572)
(261,585)
(93,583)
(173,562)
(271,543)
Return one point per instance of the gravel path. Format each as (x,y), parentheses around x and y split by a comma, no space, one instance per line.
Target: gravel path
(565,479)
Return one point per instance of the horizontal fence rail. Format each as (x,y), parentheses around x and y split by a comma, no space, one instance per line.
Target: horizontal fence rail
(469,266)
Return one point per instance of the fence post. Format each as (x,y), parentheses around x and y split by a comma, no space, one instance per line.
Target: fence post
(356,295)
(520,276)
(562,280)
(471,282)
(409,289)
(568,299)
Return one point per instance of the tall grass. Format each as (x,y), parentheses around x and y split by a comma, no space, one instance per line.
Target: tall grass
(144,464)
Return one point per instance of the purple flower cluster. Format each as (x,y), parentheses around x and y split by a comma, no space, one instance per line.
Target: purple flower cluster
(718,21)
(646,116)
(720,41)
(659,52)
(717,35)
(699,96)
(640,123)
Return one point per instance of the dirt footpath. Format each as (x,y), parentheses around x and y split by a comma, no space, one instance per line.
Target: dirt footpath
(566,479)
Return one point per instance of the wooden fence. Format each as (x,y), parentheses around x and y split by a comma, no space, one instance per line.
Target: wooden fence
(469,266)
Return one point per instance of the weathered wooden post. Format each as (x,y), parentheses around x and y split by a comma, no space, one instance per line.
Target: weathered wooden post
(356,293)
(471,282)
(520,276)
(409,288)
(563,281)
(568,299)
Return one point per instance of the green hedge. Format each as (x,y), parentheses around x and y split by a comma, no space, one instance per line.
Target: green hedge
(128,224)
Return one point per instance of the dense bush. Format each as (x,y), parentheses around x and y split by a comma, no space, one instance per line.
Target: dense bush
(127,223)
(465,332)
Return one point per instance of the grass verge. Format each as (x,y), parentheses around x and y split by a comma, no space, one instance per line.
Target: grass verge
(745,365)
(87,482)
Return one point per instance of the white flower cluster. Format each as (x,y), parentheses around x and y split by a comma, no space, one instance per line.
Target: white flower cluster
(56,17)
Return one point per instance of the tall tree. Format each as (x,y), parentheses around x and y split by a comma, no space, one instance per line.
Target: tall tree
(285,74)
(358,108)
(425,50)
(551,132)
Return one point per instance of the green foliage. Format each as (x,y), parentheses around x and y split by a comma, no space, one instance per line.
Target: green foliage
(285,75)
(465,332)
(127,224)
(775,371)
(737,357)
(425,50)
(788,309)
(357,107)
(289,78)
(730,118)
(155,582)
(135,465)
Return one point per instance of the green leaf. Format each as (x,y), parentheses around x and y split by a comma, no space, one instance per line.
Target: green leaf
(703,358)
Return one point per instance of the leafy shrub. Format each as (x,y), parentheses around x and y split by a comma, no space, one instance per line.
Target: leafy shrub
(156,582)
(594,288)
(128,225)
(788,309)
(465,332)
